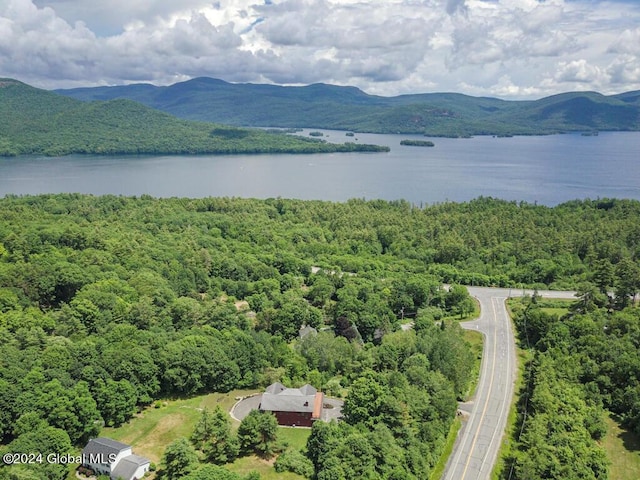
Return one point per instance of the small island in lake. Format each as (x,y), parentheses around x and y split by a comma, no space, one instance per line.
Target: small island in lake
(417,143)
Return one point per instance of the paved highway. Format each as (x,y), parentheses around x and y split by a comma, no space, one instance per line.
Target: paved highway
(476,448)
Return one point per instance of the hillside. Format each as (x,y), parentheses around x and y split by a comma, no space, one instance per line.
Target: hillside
(330,106)
(34,121)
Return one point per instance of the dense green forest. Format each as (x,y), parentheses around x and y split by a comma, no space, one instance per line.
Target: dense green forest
(34,121)
(110,303)
(348,108)
(582,362)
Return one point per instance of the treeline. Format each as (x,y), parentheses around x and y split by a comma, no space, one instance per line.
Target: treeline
(483,242)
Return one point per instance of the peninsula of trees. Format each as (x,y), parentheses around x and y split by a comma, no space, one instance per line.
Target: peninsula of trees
(34,121)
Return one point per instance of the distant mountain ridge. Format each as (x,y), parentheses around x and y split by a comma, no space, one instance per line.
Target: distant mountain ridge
(39,122)
(349,108)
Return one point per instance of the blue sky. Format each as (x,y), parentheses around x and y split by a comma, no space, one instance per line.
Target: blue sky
(503,48)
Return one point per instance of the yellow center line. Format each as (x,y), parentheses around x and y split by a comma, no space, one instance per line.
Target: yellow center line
(508,389)
(486,402)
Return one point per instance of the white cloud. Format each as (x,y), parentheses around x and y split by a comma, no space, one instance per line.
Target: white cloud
(627,42)
(35,42)
(580,71)
(625,70)
(510,30)
(509,48)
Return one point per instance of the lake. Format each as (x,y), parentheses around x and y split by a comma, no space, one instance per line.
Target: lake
(543,169)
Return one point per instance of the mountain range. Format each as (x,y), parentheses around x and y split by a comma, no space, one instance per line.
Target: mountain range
(349,108)
(40,122)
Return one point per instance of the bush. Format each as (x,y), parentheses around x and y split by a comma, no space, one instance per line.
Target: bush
(296,462)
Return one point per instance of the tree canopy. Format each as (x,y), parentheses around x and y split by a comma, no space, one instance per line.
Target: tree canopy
(109,303)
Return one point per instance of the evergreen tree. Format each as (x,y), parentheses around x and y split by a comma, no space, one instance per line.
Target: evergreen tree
(179,459)
(215,438)
(257,433)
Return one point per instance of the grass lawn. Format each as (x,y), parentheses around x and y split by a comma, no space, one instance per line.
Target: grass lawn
(154,428)
(623,449)
(559,307)
(246,465)
(550,306)
(556,306)
(475,339)
(558,311)
(294,438)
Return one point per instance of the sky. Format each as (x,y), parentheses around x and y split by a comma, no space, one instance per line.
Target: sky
(511,49)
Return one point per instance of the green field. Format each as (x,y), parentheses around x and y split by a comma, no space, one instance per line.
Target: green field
(153,429)
(623,449)
(558,307)
(294,438)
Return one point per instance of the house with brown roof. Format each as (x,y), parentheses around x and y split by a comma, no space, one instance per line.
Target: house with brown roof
(295,407)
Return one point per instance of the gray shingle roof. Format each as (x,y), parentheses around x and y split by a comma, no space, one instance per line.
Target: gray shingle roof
(275,388)
(128,466)
(308,390)
(104,447)
(278,398)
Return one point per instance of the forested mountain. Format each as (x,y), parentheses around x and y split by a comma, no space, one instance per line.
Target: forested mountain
(110,303)
(34,121)
(348,108)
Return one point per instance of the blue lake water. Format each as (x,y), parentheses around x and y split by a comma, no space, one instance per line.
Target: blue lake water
(544,169)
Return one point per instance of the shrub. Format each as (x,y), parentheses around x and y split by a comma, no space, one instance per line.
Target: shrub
(294,461)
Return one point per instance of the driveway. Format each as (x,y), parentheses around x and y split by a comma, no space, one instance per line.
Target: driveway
(243,406)
(332,409)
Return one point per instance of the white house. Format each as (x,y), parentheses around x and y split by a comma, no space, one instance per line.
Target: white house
(109,457)
(131,467)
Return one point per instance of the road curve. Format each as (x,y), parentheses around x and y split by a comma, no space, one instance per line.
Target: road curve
(476,448)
